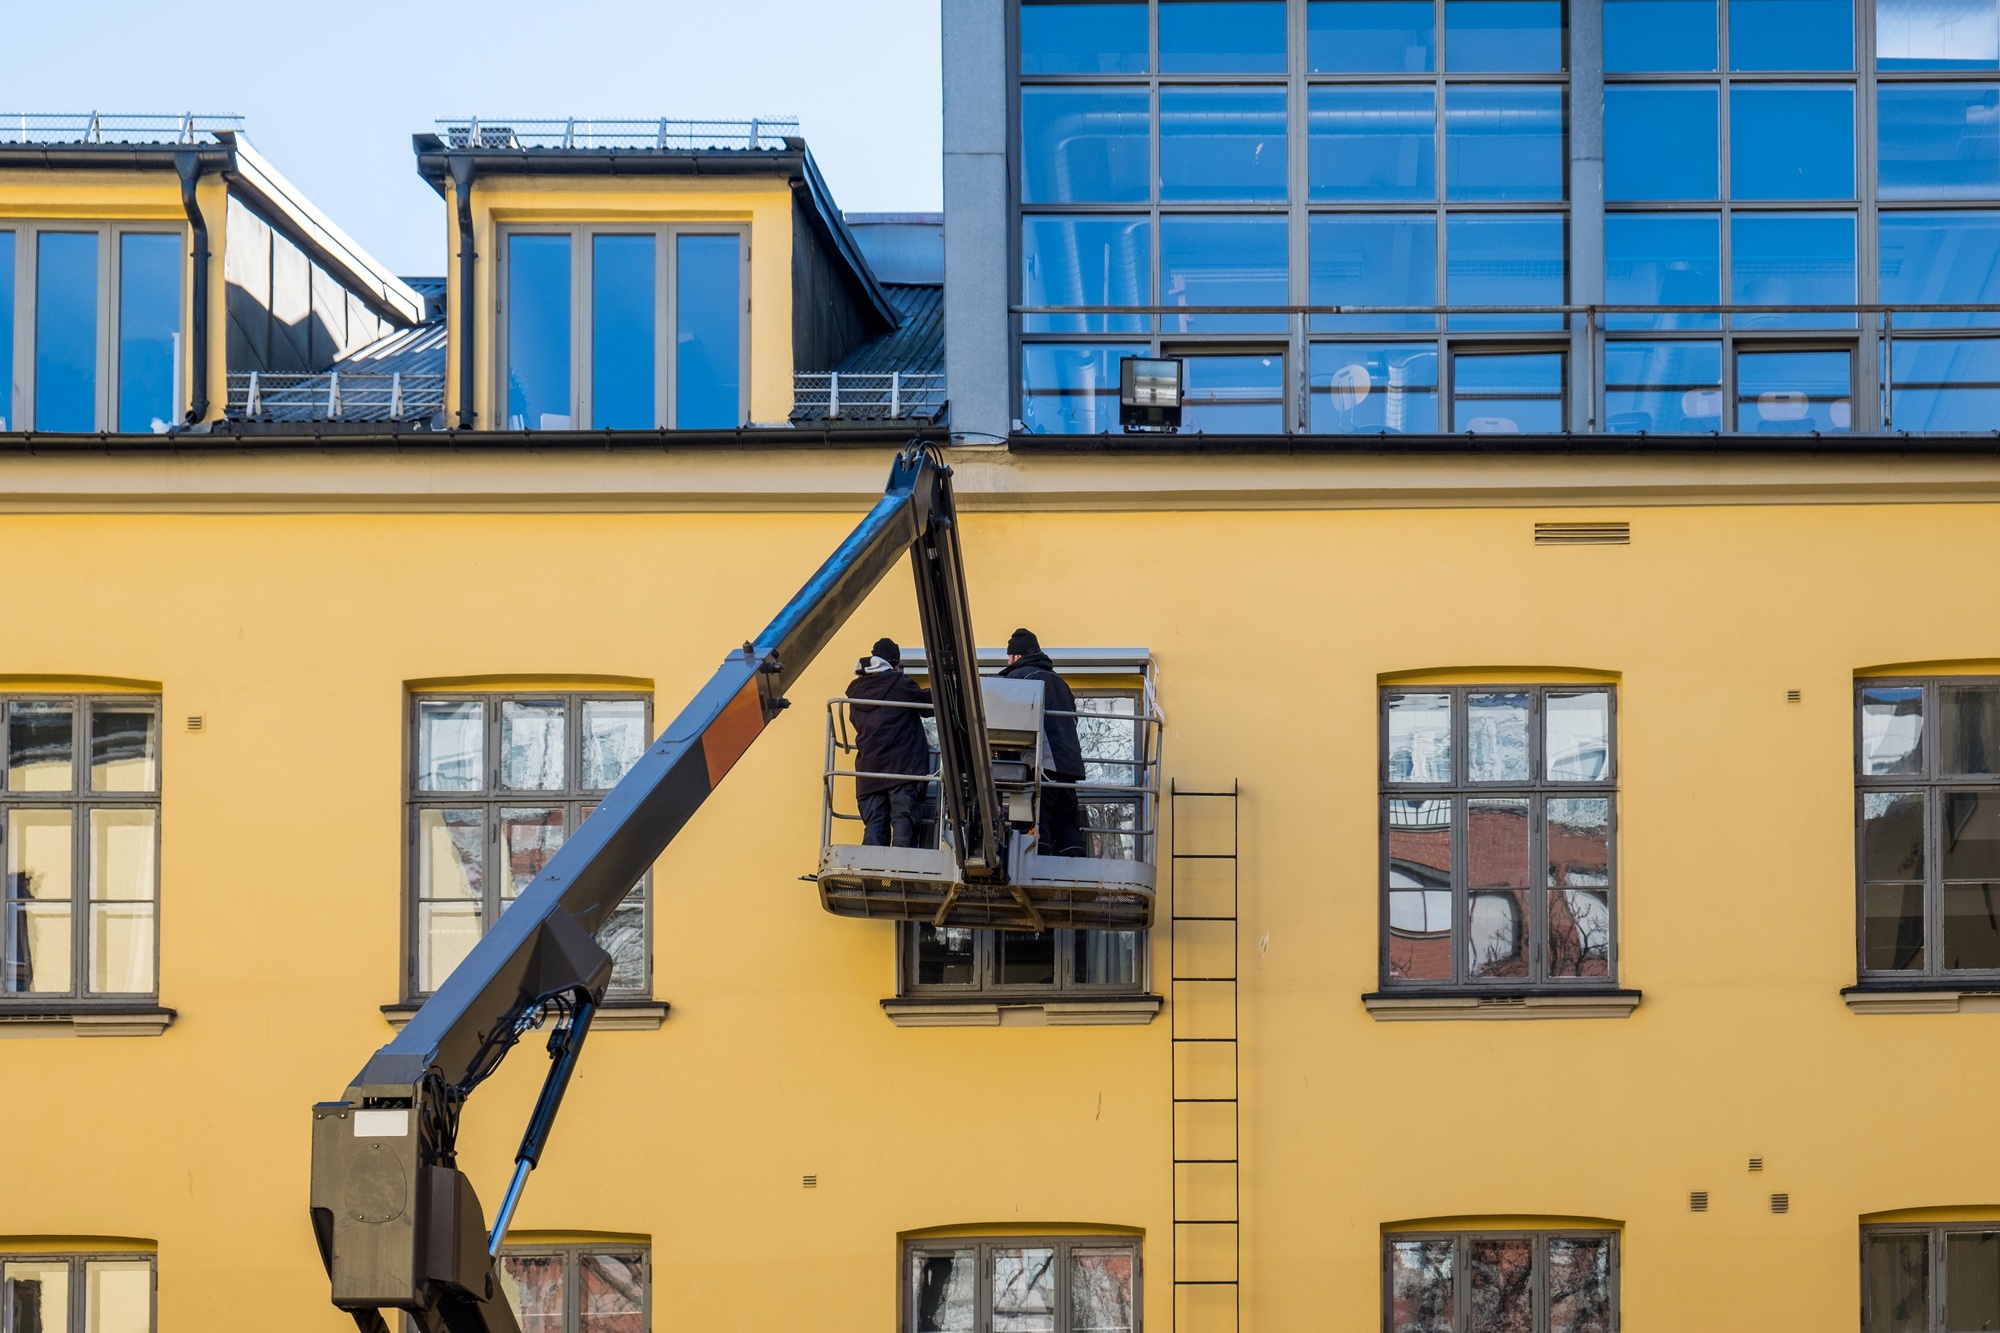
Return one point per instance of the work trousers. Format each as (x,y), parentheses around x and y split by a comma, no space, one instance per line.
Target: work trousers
(1060,819)
(895,816)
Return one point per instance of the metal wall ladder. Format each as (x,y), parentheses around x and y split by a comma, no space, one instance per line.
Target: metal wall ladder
(1202,966)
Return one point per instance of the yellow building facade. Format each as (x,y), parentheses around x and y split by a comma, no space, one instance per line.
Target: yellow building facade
(1298,1110)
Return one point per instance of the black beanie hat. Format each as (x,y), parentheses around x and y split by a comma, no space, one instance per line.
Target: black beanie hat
(886,649)
(1023,643)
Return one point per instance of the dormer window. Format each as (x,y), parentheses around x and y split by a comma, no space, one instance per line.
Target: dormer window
(626,328)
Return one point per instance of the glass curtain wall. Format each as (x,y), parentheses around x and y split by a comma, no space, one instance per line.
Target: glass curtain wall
(1789,158)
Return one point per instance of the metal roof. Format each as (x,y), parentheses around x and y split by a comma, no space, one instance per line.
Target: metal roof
(915,346)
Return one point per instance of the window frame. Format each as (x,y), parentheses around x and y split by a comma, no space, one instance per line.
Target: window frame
(1062,1244)
(492,797)
(572,1255)
(79,1262)
(1933,783)
(80,800)
(1537,791)
(110,259)
(1935,1235)
(1461,1269)
(666,276)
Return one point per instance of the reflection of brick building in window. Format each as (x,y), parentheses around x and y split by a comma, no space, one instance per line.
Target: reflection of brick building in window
(576,1290)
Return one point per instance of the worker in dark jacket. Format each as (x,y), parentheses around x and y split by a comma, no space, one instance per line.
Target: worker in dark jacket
(1060,818)
(889,740)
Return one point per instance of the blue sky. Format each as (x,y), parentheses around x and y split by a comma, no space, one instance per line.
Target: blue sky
(332,93)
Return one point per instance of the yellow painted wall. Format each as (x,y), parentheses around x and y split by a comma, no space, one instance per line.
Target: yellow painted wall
(292,620)
(139,196)
(763,205)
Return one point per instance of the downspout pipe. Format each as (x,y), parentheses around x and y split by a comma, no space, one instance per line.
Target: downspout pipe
(188,167)
(461,183)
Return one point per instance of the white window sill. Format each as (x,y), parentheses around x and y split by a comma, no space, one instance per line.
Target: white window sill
(615,1016)
(930,1011)
(148,1020)
(1944,1000)
(1389,1007)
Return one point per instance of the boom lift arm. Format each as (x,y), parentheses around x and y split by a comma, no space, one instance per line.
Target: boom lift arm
(398,1224)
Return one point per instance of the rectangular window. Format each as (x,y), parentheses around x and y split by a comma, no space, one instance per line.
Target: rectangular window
(66,331)
(1234,395)
(1503,144)
(79,828)
(1794,391)
(1507,393)
(1223,260)
(1942,1279)
(1662,143)
(1928,827)
(1663,386)
(1791,35)
(1498,806)
(1386,259)
(1103,261)
(1792,259)
(1663,259)
(1371,144)
(1086,146)
(1791,143)
(1937,34)
(578,1288)
(1071,390)
(500,780)
(633,328)
(1944,384)
(1371,37)
(1502,259)
(1938,140)
(1363,388)
(75,1293)
(1940,259)
(1222,145)
(1503,36)
(1222,36)
(1484,1282)
(149,331)
(1061,37)
(1043,1284)
(1659,36)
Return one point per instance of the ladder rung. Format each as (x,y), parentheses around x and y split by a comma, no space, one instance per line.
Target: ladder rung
(1201,978)
(1203,856)
(1214,1101)
(1209,1221)
(1205,1281)
(1201,793)
(1207,1161)
(1206,1039)
(1201,918)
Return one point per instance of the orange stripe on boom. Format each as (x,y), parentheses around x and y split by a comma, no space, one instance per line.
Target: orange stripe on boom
(739,723)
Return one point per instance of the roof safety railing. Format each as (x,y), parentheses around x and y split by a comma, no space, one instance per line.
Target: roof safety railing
(897,395)
(334,396)
(55,127)
(661,134)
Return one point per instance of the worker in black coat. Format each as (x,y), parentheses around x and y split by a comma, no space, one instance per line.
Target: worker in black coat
(894,813)
(1060,819)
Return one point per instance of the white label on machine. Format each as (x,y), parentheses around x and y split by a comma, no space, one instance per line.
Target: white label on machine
(381,1124)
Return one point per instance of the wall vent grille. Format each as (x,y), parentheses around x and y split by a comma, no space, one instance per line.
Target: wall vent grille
(1583,534)
(1781,1203)
(1756,1164)
(1791,696)
(195,722)
(810,1182)
(1697,1201)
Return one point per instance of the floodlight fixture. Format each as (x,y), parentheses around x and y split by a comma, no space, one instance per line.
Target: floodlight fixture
(1149,393)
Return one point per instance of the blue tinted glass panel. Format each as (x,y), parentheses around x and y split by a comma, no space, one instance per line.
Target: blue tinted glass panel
(1499,36)
(66,330)
(1223,261)
(7,421)
(149,331)
(1370,144)
(1085,146)
(1507,394)
(1371,36)
(1937,34)
(1385,260)
(1663,386)
(1503,144)
(1791,143)
(1659,36)
(1662,143)
(538,325)
(1086,261)
(1069,390)
(622,320)
(1365,388)
(1791,34)
(708,332)
(1793,392)
(1236,395)
(1940,259)
(1792,259)
(1504,260)
(1938,141)
(1945,384)
(1222,145)
(1663,259)
(1222,36)
(1062,38)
